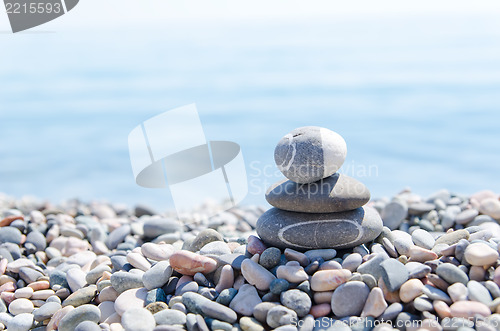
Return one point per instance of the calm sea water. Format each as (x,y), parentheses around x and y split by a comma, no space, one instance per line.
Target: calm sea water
(416,101)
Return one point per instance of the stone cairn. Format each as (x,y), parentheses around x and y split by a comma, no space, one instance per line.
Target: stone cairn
(316,207)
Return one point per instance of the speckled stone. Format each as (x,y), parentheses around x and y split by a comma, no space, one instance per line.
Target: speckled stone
(310,153)
(303,231)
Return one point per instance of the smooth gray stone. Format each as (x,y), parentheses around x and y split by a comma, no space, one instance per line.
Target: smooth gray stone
(280,315)
(226,296)
(422,304)
(122,281)
(420,208)
(215,248)
(9,234)
(436,294)
(204,237)
(394,274)
(46,311)
(336,193)
(117,236)
(191,286)
(234,259)
(96,273)
(466,216)
(372,266)
(159,226)
(394,213)
(477,292)
(297,301)
(78,315)
(198,304)
(310,153)
(87,326)
(451,273)
(423,239)
(38,239)
(279,285)
(21,322)
(4,252)
(29,275)
(417,269)
(304,231)
(157,276)
(170,317)
(391,312)
(349,298)
(58,277)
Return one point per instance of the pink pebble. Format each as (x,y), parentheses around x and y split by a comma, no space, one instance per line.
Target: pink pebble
(3,266)
(320,310)
(8,287)
(8,297)
(189,263)
(255,245)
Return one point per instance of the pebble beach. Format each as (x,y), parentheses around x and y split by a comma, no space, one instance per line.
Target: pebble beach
(330,259)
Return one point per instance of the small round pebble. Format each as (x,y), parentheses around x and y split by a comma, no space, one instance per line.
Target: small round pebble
(138,319)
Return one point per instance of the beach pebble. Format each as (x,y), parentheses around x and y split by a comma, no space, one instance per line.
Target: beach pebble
(198,303)
(122,281)
(453,237)
(310,153)
(245,300)
(356,291)
(25,292)
(436,294)
(423,239)
(292,273)
(466,216)
(81,297)
(490,207)
(257,275)
(352,262)
(285,229)
(78,315)
(375,304)
(250,324)
(451,273)
(280,315)
(133,298)
(204,237)
(157,252)
(479,293)
(480,254)
(419,254)
(157,275)
(293,255)
(327,280)
(170,317)
(394,274)
(410,290)
(255,245)
(335,193)
(394,213)
(76,279)
(21,306)
(189,263)
(297,301)
(87,326)
(469,309)
(458,292)
(270,257)
(155,227)
(21,322)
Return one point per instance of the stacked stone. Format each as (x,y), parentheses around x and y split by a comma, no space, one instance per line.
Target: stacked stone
(316,207)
